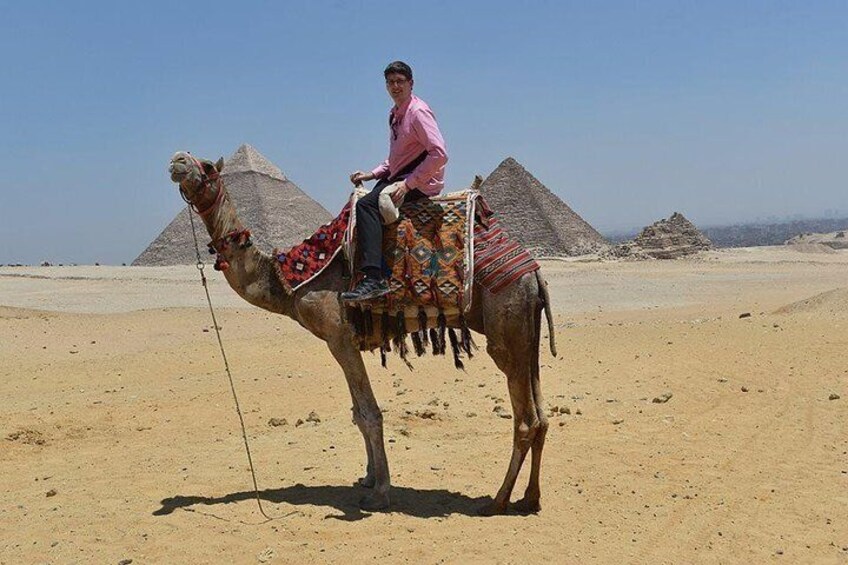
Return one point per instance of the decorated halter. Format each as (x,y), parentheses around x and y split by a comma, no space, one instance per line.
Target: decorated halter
(205,185)
(237,239)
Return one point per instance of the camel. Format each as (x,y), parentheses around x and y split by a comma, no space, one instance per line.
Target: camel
(510,320)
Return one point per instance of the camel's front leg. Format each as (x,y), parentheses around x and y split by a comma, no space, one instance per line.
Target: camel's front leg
(368,480)
(369,419)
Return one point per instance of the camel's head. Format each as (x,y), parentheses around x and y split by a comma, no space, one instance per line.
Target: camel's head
(196,178)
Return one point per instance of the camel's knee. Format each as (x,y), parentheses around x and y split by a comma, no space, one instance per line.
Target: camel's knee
(371,421)
(358,419)
(527,429)
(366,418)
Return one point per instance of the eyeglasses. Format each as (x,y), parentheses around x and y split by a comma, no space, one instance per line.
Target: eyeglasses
(396,82)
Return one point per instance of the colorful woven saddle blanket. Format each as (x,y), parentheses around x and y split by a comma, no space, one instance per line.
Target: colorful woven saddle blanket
(308,259)
(427,260)
(427,254)
(432,256)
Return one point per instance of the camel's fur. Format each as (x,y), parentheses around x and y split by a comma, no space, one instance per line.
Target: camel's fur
(510,320)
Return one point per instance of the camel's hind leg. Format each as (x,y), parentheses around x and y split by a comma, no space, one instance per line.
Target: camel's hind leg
(530,502)
(512,342)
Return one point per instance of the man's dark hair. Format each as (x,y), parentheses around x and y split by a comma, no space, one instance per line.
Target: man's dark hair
(400,68)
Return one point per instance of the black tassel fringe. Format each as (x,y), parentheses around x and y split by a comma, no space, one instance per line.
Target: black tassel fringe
(422,325)
(457,362)
(417,344)
(384,330)
(385,346)
(399,339)
(466,342)
(355,317)
(442,324)
(368,322)
(393,332)
(434,340)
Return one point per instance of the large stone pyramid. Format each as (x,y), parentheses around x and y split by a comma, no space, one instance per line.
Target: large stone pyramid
(535,216)
(275,210)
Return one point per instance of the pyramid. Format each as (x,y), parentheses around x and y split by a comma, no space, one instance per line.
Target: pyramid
(535,216)
(275,210)
(665,239)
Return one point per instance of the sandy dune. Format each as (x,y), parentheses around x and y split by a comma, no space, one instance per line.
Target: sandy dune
(683,433)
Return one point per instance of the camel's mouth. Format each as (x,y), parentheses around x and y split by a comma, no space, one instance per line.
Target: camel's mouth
(179,168)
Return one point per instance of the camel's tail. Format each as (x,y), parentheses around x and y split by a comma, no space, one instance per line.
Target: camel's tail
(546,299)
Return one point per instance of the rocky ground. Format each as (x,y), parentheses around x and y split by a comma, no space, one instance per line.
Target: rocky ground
(697,415)
(834,240)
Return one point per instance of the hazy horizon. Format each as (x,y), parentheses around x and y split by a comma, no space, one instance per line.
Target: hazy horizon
(727,113)
(789,218)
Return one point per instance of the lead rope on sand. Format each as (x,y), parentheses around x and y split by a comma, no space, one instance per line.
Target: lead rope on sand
(200,267)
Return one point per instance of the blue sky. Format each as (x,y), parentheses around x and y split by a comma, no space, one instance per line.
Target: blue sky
(726,111)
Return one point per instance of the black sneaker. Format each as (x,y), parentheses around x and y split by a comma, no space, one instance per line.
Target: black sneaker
(367,289)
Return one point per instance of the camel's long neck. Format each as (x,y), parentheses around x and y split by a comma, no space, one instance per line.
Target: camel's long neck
(251,272)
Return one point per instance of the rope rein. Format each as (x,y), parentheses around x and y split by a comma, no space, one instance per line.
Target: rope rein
(200,267)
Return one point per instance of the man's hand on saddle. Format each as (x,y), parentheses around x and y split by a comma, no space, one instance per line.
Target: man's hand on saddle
(358,177)
(399,191)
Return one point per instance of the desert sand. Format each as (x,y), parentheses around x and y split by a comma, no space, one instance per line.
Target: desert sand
(683,432)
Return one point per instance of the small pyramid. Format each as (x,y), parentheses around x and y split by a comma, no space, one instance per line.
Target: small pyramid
(537,218)
(665,239)
(274,209)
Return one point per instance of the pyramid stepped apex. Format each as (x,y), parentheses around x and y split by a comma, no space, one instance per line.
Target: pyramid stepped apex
(248,159)
(536,217)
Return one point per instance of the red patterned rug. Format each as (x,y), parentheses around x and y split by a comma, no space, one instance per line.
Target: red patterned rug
(305,261)
(498,260)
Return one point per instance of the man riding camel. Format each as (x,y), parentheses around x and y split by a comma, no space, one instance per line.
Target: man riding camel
(414,169)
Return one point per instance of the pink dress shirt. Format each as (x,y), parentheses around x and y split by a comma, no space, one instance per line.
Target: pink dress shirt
(414,130)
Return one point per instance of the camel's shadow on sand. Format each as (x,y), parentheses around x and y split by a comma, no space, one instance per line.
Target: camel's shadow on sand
(412,502)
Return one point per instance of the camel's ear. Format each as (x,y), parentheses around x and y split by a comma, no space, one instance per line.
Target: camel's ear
(478,180)
(219,165)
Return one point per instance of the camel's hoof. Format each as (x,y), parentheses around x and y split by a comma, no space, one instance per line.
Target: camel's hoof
(374,502)
(367,481)
(492,509)
(527,506)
